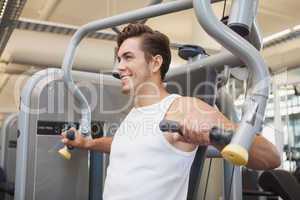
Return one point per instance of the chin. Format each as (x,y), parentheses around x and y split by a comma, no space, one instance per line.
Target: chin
(126,91)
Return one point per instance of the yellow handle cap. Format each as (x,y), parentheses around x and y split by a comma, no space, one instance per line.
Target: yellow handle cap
(64,152)
(236,154)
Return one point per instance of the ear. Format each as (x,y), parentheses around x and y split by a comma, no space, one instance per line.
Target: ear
(156,63)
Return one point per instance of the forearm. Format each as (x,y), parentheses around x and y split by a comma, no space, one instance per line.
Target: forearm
(199,118)
(263,154)
(102,144)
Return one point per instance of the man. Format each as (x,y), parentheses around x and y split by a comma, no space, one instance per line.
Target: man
(146,163)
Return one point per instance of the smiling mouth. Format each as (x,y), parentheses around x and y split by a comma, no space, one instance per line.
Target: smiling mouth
(123,77)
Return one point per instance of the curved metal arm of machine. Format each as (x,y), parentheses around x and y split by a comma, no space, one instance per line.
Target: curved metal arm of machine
(153,2)
(139,14)
(237,150)
(216,135)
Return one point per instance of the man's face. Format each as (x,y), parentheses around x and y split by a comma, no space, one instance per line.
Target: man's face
(133,68)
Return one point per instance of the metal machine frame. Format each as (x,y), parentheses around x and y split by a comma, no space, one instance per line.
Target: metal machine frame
(9,134)
(41,172)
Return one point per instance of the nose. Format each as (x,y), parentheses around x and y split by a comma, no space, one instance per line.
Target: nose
(119,67)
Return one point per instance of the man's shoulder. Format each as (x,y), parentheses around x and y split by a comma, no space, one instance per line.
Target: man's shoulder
(186,104)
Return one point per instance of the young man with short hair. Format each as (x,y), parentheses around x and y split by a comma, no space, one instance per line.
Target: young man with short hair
(146,163)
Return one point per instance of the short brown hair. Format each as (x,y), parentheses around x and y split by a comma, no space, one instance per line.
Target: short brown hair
(153,43)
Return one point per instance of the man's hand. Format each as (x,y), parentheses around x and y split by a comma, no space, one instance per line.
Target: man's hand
(197,121)
(192,132)
(197,118)
(79,142)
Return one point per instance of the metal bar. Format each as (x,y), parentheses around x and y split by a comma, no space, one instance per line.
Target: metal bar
(215,61)
(232,182)
(153,2)
(116,30)
(95,174)
(143,13)
(255,37)
(66,29)
(242,15)
(237,151)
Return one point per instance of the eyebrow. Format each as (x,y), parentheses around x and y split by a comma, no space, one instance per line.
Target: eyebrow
(124,54)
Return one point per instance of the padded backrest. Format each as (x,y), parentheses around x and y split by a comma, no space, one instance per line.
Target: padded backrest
(2,180)
(297,174)
(281,183)
(208,94)
(200,83)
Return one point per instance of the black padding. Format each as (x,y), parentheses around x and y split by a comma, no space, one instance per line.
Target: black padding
(297,174)
(2,180)
(189,51)
(281,183)
(257,193)
(241,29)
(2,175)
(5,187)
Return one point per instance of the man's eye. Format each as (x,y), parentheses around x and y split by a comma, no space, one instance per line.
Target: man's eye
(128,57)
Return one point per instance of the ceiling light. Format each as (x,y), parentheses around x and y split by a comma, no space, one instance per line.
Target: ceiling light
(296,28)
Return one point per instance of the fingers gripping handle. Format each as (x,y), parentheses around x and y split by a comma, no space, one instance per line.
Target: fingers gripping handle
(220,136)
(71,136)
(216,135)
(170,126)
(65,151)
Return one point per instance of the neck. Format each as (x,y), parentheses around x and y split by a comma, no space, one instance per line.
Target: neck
(150,93)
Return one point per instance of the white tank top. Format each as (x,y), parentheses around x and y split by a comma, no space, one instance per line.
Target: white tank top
(143,164)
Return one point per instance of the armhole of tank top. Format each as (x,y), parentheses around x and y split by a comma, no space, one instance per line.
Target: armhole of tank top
(166,142)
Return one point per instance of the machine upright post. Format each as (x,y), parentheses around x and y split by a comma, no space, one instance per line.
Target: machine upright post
(237,150)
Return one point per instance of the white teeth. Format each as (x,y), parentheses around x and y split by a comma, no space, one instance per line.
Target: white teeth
(124,77)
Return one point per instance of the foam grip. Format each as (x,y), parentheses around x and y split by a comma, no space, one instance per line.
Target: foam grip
(71,136)
(220,136)
(216,135)
(236,154)
(170,126)
(64,152)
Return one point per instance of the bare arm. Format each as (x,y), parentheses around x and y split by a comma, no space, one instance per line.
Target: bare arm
(197,118)
(102,144)
(263,154)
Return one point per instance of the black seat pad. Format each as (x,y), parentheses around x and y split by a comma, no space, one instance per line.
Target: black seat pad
(280,182)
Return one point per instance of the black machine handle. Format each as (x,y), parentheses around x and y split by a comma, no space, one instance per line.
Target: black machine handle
(71,136)
(216,135)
